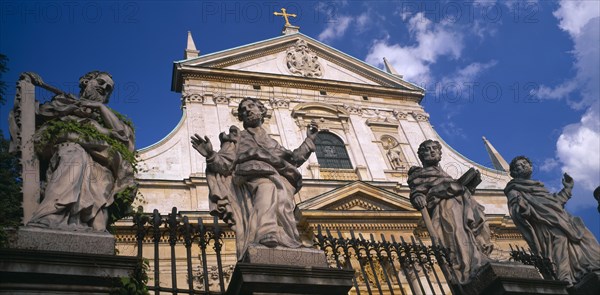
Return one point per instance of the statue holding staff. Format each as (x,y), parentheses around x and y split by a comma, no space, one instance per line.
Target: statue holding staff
(85,151)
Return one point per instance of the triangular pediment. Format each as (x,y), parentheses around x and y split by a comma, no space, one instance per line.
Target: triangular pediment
(357,196)
(298,56)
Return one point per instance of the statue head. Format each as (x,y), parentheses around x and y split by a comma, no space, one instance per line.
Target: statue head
(252,112)
(96,86)
(521,167)
(430,152)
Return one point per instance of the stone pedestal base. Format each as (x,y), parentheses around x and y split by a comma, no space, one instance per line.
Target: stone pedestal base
(254,279)
(46,272)
(589,285)
(34,238)
(259,254)
(512,278)
(287,271)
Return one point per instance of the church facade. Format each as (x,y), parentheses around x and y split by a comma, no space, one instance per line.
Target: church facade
(371,123)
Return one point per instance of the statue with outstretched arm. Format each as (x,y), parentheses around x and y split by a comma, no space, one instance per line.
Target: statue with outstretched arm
(252,180)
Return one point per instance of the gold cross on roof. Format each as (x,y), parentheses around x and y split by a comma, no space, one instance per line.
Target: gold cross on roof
(285,16)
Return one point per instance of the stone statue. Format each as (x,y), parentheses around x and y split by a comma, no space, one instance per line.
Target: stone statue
(550,231)
(252,180)
(457,221)
(85,151)
(597,196)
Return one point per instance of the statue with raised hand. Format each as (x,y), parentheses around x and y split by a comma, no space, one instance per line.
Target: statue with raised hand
(252,180)
(550,231)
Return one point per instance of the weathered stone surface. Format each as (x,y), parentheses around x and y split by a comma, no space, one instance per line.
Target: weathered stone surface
(506,278)
(48,272)
(589,285)
(64,241)
(252,180)
(454,219)
(549,229)
(285,256)
(83,170)
(250,278)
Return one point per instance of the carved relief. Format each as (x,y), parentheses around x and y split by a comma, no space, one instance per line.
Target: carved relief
(192,98)
(221,100)
(422,117)
(213,277)
(399,115)
(300,60)
(279,103)
(394,152)
(353,110)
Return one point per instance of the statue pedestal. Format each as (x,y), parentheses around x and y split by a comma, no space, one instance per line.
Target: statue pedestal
(589,285)
(25,271)
(34,238)
(503,278)
(287,271)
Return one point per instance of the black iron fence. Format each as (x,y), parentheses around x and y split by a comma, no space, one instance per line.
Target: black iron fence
(187,258)
(388,267)
(542,264)
(198,240)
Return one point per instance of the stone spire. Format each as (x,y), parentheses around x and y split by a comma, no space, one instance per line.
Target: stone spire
(190,50)
(497,160)
(389,68)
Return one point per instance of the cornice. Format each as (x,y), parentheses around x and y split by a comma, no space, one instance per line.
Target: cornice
(250,78)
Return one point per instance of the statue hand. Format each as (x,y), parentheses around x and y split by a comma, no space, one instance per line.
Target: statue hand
(567,181)
(35,78)
(202,145)
(90,104)
(312,130)
(419,201)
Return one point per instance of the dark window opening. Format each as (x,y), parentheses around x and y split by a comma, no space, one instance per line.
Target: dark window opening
(331,151)
(256,87)
(323,92)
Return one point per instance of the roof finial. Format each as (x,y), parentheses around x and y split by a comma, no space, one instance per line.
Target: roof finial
(287,28)
(389,68)
(497,160)
(190,50)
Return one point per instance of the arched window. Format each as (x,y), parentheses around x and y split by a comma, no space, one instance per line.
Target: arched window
(331,151)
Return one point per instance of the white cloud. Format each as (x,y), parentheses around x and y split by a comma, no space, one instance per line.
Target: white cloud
(433,40)
(468,74)
(578,145)
(335,29)
(362,20)
(574,15)
(549,164)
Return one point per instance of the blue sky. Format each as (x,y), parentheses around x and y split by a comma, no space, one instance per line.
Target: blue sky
(525,74)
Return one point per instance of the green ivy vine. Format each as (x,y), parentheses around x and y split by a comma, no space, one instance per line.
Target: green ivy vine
(53,130)
(137,281)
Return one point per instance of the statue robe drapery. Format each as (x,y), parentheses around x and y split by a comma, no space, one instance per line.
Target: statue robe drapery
(458,221)
(252,182)
(550,231)
(82,174)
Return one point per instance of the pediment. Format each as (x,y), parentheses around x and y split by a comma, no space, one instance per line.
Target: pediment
(357,196)
(297,55)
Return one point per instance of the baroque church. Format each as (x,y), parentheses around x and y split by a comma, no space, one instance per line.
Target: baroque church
(371,123)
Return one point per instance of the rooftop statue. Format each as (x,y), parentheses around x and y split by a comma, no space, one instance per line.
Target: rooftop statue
(252,180)
(454,219)
(85,151)
(550,231)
